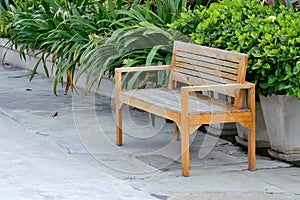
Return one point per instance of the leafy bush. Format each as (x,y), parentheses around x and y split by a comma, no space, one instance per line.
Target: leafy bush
(270,36)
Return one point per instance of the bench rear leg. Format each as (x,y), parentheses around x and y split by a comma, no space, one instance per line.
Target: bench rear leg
(176,134)
(118,123)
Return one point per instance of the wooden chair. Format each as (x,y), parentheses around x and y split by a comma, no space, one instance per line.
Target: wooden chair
(201,69)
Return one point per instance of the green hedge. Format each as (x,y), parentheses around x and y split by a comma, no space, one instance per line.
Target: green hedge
(270,36)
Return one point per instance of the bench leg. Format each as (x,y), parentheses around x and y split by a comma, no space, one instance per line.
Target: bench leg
(176,134)
(251,147)
(118,123)
(184,129)
(185,153)
(252,131)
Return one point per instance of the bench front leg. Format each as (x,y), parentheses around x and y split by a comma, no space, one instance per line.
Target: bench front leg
(184,129)
(252,131)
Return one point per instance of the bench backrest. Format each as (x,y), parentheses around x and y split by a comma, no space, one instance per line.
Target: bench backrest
(198,65)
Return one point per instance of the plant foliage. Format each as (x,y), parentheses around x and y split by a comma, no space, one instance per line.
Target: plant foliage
(270,36)
(60,29)
(143,40)
(69,32)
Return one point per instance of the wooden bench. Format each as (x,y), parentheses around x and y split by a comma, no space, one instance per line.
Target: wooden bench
(200,69)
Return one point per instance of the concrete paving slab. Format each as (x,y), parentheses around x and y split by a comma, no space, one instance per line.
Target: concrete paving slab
(32,167)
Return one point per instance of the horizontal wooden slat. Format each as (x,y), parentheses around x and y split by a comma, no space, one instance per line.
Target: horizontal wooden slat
(239,117)
(205,76)
(226,89)
(190,80)
(212,52)
(209,62)
(145,68)
(200,69)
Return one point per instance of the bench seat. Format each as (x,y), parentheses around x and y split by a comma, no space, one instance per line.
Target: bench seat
(164,98)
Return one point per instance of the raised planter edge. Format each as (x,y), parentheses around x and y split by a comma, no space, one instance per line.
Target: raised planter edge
(12,57)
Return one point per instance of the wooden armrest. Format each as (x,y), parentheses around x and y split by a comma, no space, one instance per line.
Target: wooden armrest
(140,69)
(227,89)
(119,71)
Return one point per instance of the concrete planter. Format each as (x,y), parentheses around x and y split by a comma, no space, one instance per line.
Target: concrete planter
(223,129)
(12,57)
(262,138)
(282,117)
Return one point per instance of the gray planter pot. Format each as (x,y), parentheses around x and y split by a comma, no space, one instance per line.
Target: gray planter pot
(262,138)
(282,117)
(223,129)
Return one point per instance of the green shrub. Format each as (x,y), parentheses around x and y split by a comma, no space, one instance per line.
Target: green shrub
(270,37)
